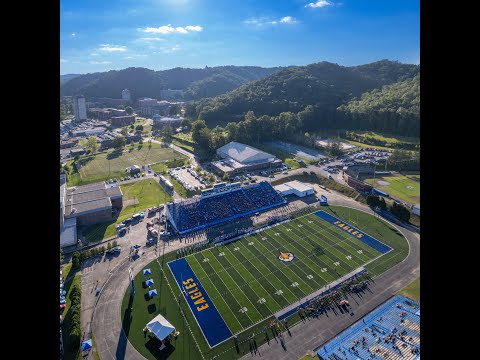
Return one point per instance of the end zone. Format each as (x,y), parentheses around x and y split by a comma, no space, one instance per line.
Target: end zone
(359,235)
(211,323)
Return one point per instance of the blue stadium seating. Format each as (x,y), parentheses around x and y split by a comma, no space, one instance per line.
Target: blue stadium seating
(391,331)
(189,216)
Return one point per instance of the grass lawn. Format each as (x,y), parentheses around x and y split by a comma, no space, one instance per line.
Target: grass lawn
(110,165)
(183,145)
(359,144)
(144,193)
(71,349)
(392,139)
(248,274)
(402,187)
(294,164)
(184,136)
(412,290)
(307,357)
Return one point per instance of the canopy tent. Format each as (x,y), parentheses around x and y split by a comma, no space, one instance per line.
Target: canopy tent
(160,327)
(136,246)
(149,282)
(152,293)
(146,272)
(87,345)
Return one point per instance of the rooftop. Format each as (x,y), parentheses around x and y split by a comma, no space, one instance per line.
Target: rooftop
(244,154)
(298,185)
(68,234)
(90,198)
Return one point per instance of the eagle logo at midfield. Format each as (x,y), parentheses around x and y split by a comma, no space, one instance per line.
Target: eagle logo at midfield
(286,256)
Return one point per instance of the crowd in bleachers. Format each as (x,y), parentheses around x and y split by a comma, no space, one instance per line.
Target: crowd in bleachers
(212,210)
(392,333)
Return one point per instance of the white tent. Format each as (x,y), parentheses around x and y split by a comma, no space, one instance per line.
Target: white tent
(160,327)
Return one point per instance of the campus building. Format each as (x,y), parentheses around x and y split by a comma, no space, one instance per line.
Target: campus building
(294,187)
(160,121)
(355,174)
(79,108)
(238,158)
(122,120)
(126,95)
(86,205)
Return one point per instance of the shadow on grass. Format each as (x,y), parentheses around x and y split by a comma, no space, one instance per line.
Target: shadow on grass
(152,308)
(95,233)
(114,154)
(152,344)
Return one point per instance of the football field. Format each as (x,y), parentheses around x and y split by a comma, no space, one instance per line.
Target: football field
(245,282)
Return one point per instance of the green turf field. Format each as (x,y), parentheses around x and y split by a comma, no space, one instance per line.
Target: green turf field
(111,165)
(240,278)
(402,187)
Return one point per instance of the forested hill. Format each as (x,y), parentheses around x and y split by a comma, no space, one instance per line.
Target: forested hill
(66,77)
(324,85)
(142,82)
(393,109)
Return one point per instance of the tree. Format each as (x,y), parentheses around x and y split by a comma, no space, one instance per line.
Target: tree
(124,131)
(196,128)
(211,179)
(174,109)
(132,126)
(121,107)
(185,123)
(226,177)
(129,110)
(139,128)
(61,255)
(92,144)
(400,211)
(75,260)
(167,132)
(119,142)
(115,244)
(109,246)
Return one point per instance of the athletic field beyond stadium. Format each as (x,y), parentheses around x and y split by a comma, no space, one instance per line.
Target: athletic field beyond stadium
(232,287)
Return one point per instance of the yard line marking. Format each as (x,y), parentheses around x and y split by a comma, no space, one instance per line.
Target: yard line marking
(213,284)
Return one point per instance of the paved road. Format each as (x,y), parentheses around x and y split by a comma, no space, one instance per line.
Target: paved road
(112,343)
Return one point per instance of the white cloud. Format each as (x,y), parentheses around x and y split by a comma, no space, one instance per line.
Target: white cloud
(94,54)
(73,35)
(288,20)
(318,4)
(112,48)
(63,60)
(169,29)
(170,50)
(151,39)
(100,62)
(262,21)
(193,28)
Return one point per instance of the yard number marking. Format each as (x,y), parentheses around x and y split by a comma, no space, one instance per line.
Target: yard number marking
(348,257)
(309,277)
(360,251)
(278,292)
(295,284)
(261,301)
(206,260)
(323,270)
(236,249)
(250,243)
(336,263)
(221,254)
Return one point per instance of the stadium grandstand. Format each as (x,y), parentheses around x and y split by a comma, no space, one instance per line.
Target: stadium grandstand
(222,203)
(391,331)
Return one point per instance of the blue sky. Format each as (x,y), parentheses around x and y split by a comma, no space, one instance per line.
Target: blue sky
(162,34)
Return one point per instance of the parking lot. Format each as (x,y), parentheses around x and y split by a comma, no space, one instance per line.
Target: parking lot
(189,179)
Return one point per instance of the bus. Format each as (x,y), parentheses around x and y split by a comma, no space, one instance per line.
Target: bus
(168,185)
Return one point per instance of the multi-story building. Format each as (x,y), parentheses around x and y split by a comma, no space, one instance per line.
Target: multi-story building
(126,95)
(79,108)
(123,120)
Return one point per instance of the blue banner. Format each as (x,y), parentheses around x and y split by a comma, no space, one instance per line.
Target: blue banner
(203,309)
(366,239)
